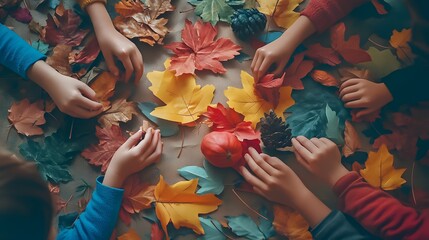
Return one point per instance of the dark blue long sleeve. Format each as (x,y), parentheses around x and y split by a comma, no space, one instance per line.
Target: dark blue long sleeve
(100,216)
(337,226)
(15,53)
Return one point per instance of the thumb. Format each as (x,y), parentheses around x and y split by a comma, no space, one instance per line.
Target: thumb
(279,69)
(133,140)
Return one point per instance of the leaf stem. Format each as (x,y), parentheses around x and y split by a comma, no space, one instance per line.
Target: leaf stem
(247,205)
(188,10)
(182,134)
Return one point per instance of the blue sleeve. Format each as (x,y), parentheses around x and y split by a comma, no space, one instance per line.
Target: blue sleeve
(337,225)
(100,216)
(15,53)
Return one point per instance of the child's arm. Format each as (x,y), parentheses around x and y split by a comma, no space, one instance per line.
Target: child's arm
(70,95)
(317,17)
(101,214)
(374,209)
(113,44)
(274,180)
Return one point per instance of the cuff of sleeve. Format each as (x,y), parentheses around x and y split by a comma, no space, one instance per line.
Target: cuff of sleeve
(317,16)
(345,181)
(325,228)
(106,190)
(84,3)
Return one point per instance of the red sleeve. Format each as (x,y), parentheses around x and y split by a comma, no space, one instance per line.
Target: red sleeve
(378,212)
(324,13)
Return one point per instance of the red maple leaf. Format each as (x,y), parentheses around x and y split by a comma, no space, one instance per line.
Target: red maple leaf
(268,88)
(63,28)
(156,232)
(228,120)
(137,196)
(323,55)
(297,71)
(86,55)
(110,139)
(350,49)
(200,51)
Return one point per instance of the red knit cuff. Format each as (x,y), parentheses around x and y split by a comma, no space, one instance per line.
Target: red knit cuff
(345,181)
(318,16)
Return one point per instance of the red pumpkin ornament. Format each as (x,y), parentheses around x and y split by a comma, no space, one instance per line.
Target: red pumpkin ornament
(222,149)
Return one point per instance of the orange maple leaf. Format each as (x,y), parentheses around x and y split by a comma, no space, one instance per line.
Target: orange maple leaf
(290,223)
(200,51)
(104,87)
(324,78)
(26,117)
(351,140)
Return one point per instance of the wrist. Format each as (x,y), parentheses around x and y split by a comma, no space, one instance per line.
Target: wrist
(312,209)
(113,178)
(385,93)
(42,74)
(335,176)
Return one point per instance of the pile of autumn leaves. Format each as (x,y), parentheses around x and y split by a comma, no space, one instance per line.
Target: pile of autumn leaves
(75,50)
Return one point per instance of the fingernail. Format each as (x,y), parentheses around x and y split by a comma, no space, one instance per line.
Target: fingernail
(250,148)
(246,156)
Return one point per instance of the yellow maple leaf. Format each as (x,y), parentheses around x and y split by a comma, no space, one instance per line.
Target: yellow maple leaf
(290,223)
(180,205)
(379,171)
(185,100)
(400,40)
(245,101)
(284,14)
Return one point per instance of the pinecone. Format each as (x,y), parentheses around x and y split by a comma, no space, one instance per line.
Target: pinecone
(274,132)
(246,23)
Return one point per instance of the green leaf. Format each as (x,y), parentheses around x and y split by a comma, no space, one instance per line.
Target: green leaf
(40,46)
(214,10)
(212,229)
(383,63)
(209,180)
(244,226)
(167,128)
(333,130)
(308,116)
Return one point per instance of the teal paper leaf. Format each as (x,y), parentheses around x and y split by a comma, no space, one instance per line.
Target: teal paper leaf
(214,11)
(270,36)
(40,46)
(308,116)
(150,215)
(333,130)
(244,226)
(266,226)
(242,57)
(383,62)
(212,229)
(209,180)
(167,128)
(53,3)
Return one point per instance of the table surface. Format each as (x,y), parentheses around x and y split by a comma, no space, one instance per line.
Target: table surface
(191,155)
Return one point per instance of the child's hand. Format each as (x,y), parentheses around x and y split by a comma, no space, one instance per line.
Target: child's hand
(364,94)
(71,96)
(276,52)
(133,156)
(321,157)
(273,179)
(114,45)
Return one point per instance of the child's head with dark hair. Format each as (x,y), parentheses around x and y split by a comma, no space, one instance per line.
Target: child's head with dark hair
(26,208)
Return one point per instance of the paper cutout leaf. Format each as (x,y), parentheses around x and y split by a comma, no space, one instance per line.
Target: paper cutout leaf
(383,62)
(268,88)
(289,223)
(60,59)
(400,40)
(110,139)
(213,11)
(245,101)
(27,117)
(283,14)
(297,71)
(323,55)
(207,180)
(167,128)
(244,226)
(120,111)
(351,140)
(333,130)
(227,119)
(87,55)
(179,204)
(379,170)
(348,49)
(324,78)
(199,50)
(212,229)
(185,101)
